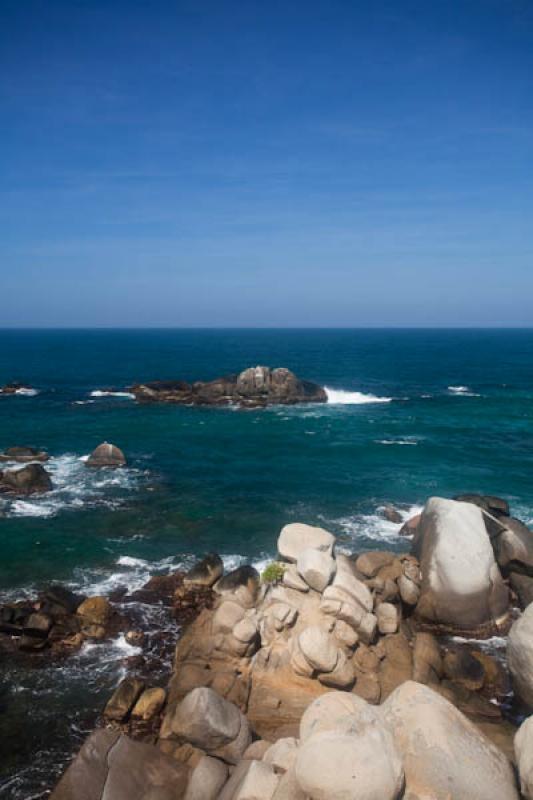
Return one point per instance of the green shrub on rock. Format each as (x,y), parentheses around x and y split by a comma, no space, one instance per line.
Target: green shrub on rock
(273,572)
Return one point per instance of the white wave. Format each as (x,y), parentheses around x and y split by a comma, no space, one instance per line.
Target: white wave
(75,486)
(405,442)
(25,391)
(109,393)
(340,397)
(374,526)
(463,391)
(129,561)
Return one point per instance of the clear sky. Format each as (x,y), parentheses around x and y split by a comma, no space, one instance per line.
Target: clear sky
(266,163)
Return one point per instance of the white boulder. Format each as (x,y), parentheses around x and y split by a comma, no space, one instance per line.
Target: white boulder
(297,537)
(316,568)
(520,656)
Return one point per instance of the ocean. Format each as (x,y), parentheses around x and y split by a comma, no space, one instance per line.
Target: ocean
(411,413)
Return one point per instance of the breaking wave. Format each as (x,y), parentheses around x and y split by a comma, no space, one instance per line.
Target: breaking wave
(110,393)
(463,391)
(340,397)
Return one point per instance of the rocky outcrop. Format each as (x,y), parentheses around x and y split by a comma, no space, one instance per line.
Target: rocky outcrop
(31,479)
(106,455)
(17,388)
(254,387)
(462,588)
(24,455)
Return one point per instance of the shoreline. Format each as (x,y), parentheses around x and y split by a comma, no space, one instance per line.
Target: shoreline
(162,588)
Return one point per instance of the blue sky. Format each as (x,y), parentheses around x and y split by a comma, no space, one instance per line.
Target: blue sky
(266,163)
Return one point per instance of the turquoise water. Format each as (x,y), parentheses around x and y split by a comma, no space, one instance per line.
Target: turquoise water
(415,413)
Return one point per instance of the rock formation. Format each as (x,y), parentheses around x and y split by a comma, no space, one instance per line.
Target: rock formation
(24,455)
(254,387)
(106,455)
(31,479)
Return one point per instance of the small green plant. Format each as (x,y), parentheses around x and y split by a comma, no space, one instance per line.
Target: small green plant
(273,572)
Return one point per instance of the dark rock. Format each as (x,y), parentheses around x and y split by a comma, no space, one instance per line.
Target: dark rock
(494,505)
(63,598)
(31,479)
(38,625)
(159,589)
(106,455)
(513,547)
(29,643)
(115,767)
(392,515)
(123,699)
(461,667)
(205,572)
(245,576)
(23,454)
(254,387)
(522,585)
(15,387)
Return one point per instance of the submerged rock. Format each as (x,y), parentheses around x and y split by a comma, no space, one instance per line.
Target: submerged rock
(106,455)
(255,386)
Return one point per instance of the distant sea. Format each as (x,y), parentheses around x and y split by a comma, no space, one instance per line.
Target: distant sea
(411,413)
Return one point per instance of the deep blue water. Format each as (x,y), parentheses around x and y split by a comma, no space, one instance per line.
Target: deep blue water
(227,480)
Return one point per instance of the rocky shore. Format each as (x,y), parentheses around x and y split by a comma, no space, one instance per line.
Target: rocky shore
(255,387)
(332,675)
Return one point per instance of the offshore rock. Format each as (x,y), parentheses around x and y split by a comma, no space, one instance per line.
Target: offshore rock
(31,479)
(254,387)
(23,455)
(106,455)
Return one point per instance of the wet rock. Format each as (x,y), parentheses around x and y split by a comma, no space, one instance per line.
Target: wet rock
(106,455)
(123,699)
(31,479)
(135,638)
(95,611)
(63,598)
(205,572)
(113,766)
(38,625)
(462,588)
(15,387)
(296,537)
(24,454)
(392,514)
(460,666)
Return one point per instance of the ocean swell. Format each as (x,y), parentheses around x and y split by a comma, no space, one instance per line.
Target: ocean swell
(340,397)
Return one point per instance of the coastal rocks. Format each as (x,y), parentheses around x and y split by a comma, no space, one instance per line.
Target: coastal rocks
(462,589)
(242,584)
(15,388)
(123,699)
(106,455)
(444,754)
(523,747)
(31,479)
(296,537)
(520,656)
(95,611)
(216,726)
(113,766)
(316,568)
(254,387)
(149,704)
(493,505)
(207,779)
(23,455)
(205,572)
(514,547)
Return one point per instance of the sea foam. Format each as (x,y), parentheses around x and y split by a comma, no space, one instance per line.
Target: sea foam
(341,397)
(109,393)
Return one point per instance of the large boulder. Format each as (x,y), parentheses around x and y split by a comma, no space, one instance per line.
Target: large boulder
(520,656)
(113,767)
(31,479)
(444,754)
(359,760)
(205,572)
(206,720)
(207,780)
(264,385)
(123,699)
(514,547)
(316,568)
(106,455)
(297,537)
(523,748)
(462,588)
